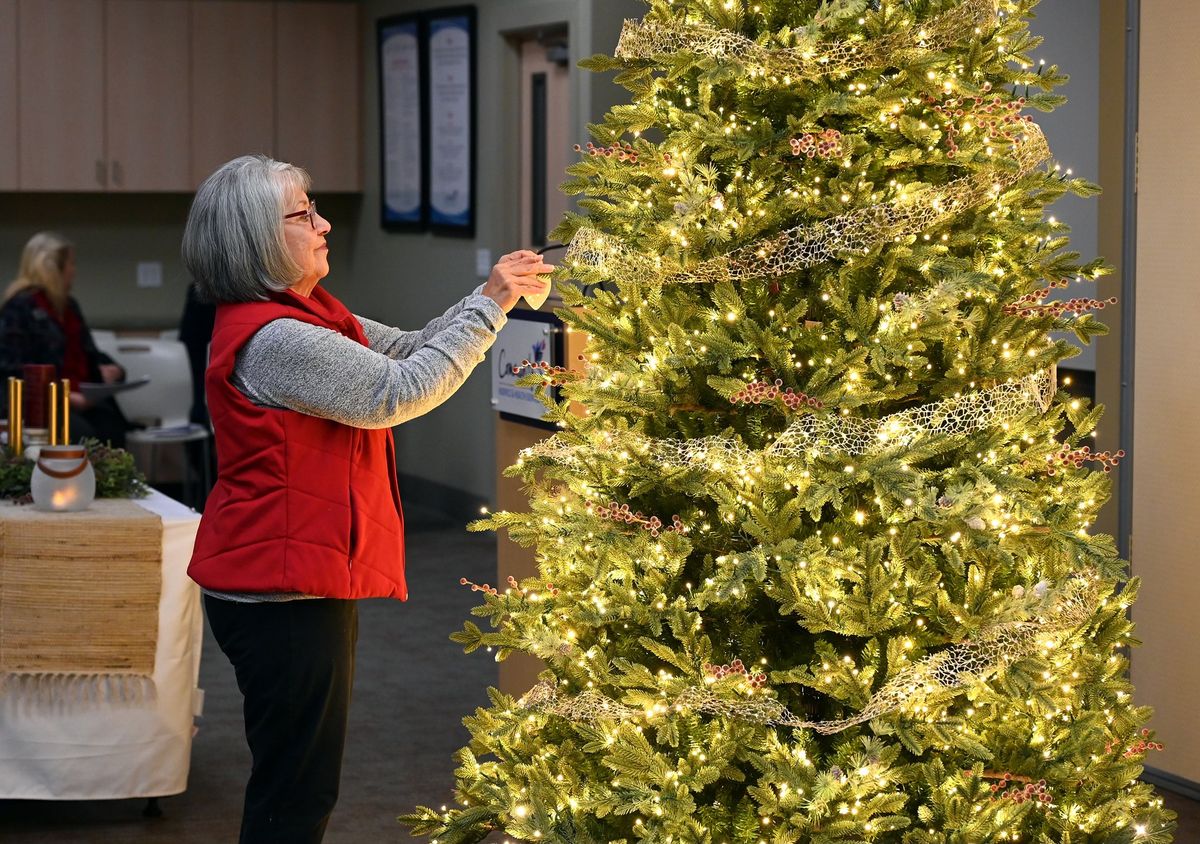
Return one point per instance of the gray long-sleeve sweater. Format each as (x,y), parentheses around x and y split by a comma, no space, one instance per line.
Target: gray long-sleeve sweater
(399,376)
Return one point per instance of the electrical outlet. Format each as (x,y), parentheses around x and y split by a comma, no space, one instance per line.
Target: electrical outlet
(149,274)
(483,262)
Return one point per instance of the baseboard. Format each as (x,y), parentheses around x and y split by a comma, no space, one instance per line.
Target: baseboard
(1172,783)
(457,505)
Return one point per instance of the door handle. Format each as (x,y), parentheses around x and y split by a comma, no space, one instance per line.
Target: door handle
(101,173)
(118,175)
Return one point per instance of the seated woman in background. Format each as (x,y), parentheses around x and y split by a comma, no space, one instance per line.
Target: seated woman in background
(41,323)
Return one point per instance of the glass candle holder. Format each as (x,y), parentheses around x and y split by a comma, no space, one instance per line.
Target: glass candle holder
(63,479)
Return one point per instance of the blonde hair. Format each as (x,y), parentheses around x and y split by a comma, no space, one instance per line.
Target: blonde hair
(42,264)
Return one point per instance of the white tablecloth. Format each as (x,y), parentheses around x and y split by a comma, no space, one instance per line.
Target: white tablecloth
(117,750)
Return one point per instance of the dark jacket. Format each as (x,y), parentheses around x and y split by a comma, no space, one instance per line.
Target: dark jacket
(29,335)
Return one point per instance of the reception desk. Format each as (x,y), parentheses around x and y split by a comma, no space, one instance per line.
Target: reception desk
(75,746)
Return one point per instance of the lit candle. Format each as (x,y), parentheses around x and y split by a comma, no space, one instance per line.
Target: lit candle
(52,418)
(66,411)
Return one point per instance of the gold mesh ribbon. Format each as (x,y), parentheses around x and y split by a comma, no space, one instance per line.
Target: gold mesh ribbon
(649,39)
(822,436)
(79,592)
(956,667)
(794,249)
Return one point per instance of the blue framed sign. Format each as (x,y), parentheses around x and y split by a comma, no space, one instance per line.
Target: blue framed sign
(403,183)
(450,51)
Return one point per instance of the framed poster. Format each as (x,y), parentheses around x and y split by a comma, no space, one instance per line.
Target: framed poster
(450,51)
(403,183)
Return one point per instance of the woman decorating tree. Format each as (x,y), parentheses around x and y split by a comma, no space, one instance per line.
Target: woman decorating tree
(305,517)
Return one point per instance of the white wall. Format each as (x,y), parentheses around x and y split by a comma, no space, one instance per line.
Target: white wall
(1166,466)
(1072,32)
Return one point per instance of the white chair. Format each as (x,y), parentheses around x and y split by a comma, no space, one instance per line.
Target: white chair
(104,339)
(163,404)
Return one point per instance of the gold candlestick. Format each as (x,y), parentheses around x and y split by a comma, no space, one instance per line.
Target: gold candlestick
(12,409)
(66,411)
(16,435)
(52,417)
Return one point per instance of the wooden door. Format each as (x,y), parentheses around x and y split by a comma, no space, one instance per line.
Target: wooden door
(233,82)
(8,95)
(545,133)
(544,126)
(319,91)
(61,95)
(146,108)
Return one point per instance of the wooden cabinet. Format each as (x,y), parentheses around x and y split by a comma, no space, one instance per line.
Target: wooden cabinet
(8,95)
(233,82)
(102,93)
(147,120)
(153,95)
(61,95)
(319,92)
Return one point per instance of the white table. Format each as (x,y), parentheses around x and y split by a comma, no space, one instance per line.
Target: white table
(119,750)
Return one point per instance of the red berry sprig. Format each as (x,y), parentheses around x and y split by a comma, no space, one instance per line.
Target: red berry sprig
(1023,788)
(1076,457)
(828,144)
(1138,748)
(757,680)
(512,583)
(1032,304)
(619,151)
(999,119)
(1057,309)
(621,513)
(552,376)
(1036,791)
(477,587)
(758,392)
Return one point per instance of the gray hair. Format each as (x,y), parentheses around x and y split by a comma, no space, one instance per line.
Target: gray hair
(233,244)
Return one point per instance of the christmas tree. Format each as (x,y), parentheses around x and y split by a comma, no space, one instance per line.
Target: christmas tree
(815,561)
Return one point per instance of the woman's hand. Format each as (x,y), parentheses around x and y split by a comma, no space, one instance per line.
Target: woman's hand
(78,401)
(110,373)
(515,275)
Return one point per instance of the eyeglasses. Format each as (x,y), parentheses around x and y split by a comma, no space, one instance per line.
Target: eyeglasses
(310,212)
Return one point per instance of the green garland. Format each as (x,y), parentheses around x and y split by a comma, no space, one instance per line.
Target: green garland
(116,474)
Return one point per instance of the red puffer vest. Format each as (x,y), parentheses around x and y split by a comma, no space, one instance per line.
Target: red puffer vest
(301,504)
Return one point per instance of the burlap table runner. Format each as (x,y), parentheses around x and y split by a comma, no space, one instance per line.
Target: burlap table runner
(79,592)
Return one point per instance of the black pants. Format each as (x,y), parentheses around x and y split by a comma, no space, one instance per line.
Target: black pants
(294,662)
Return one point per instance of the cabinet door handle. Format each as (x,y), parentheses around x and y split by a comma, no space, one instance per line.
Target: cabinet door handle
(101,172)
(118,175)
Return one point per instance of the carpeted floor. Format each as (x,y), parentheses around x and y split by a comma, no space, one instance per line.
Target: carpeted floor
(412,690)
